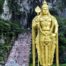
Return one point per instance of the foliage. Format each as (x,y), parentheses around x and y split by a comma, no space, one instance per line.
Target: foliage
(1,5)
(8,26)
(8,30)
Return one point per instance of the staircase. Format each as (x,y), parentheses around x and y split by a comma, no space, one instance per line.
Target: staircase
(21,49)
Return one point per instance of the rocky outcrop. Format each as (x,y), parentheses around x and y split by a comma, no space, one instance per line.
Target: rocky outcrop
(21,50)
(6,13)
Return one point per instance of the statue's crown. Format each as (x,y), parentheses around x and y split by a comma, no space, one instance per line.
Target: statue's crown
(45,5)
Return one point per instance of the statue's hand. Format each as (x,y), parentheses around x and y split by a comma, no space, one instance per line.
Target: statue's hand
(53,34)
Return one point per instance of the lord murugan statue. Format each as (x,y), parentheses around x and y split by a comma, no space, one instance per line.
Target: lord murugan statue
(44,37)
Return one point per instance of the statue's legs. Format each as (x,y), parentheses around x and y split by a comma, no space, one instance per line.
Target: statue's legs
(43,55)
(51,51)
(47,54)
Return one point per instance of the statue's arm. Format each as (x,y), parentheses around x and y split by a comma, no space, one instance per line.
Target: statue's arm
(55,25)
(34,27)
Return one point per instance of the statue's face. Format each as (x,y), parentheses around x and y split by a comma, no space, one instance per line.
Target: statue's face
(45,11)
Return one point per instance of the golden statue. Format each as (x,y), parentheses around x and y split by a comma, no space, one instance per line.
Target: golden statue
(44,36)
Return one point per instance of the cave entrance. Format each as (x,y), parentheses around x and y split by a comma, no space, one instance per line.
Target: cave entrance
(30,18)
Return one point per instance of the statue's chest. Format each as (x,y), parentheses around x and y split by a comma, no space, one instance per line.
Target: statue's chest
(46,21)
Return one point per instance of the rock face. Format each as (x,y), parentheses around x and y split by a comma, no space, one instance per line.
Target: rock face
(21,50)
(6,15)
(24,9)
(27,8)
(11,63)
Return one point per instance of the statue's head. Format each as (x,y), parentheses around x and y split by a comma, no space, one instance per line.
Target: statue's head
(45,10)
